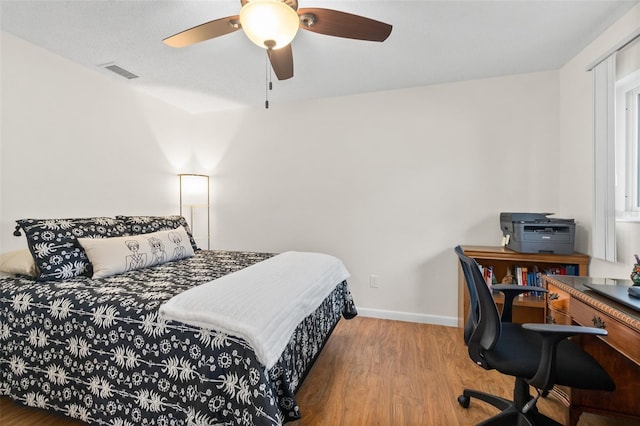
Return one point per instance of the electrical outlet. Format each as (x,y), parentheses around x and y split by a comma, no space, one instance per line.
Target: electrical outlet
(373,281)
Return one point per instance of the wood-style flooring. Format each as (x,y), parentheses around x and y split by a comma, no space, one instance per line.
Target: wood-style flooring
(380,372)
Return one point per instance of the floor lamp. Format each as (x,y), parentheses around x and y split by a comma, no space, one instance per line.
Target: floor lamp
(194,205)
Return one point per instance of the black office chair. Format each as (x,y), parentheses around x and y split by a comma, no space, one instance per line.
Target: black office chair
(537,355)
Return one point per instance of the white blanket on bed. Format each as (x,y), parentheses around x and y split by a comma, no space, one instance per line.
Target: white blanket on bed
(262,303)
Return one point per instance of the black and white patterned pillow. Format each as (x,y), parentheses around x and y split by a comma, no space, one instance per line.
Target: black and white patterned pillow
(55,248)
(147,224)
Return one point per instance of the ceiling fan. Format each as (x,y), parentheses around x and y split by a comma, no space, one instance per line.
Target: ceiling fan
(272,25)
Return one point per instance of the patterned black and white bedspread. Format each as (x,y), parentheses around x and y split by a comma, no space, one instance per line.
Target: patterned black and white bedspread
(96,350)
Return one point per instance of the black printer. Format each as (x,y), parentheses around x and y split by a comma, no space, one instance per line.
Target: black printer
(536,233)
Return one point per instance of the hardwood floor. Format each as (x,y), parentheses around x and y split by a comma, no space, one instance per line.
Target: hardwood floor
(379,372)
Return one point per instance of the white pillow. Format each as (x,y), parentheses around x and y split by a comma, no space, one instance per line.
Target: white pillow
(18,262)
(110,256)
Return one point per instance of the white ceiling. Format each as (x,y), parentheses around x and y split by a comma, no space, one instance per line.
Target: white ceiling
(431,42)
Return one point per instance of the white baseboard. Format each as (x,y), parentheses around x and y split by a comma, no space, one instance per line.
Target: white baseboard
(408,316)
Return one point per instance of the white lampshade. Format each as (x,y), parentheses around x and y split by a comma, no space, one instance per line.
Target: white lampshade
(194,189)
(268,22)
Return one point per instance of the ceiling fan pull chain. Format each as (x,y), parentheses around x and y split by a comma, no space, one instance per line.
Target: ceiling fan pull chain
(268,82)
(267,85)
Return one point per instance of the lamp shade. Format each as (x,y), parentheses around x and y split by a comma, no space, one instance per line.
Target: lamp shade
(194,189)
(269,23)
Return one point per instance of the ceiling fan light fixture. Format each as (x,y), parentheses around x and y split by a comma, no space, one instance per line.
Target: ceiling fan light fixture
(269,23)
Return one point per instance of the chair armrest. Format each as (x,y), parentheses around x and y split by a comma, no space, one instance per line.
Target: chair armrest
(517,288)
(551,335)
(564,330)
(510,292)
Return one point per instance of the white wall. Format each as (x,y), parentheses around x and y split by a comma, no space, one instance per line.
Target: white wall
(575,170)
(389,182)
(77,143)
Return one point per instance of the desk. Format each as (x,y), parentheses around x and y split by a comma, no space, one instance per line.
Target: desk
(618,352)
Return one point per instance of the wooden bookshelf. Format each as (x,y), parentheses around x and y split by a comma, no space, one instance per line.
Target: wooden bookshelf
(503,260)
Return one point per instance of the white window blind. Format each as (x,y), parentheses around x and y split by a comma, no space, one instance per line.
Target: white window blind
(604,214)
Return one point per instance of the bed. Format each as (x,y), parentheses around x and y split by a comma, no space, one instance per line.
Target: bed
(98,349)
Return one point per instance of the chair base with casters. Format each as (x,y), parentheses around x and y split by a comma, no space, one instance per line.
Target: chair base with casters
(511,412)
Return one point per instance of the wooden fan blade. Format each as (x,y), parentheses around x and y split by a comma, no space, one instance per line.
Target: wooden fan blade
(342,24)
(282,62)
(202,32)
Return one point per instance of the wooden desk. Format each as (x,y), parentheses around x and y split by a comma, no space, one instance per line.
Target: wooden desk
(618,352)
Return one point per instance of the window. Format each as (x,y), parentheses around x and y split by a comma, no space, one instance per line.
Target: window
(632,133)
(627,141)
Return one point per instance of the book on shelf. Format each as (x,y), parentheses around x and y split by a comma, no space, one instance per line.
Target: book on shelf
(488,275)
(532,276)
(535,280)
(563,270)
(523,277)
(527,275)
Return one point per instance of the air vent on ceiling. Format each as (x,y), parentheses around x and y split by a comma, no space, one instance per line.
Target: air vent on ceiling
(120,71)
